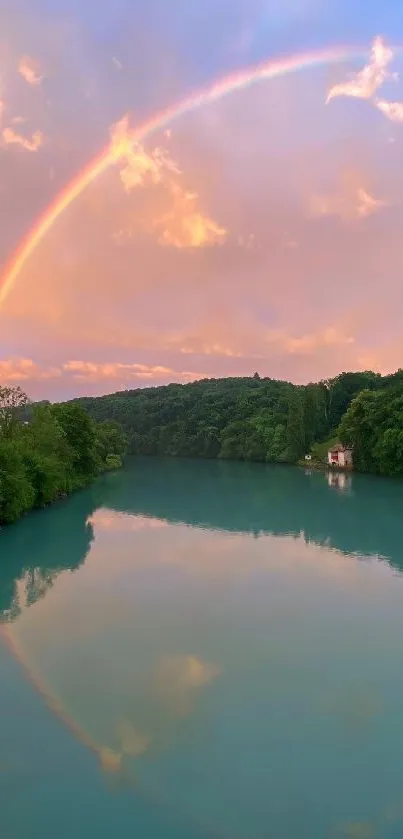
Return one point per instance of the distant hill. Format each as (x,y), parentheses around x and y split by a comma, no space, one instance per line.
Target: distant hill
(248,418)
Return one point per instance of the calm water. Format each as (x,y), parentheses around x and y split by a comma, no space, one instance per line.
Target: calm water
(195,650)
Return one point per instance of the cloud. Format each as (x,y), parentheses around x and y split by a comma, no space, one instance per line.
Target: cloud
(357,203)
(310,343)
(179,678)
(367,204)
(184,226)
(392,110)
(19,370)
(192,347)
(260,345)
(248,241)
(11,137)
(118,64)
(363,85)
(92,371)
(36,379)
(226,335)
(18,120)
(97,371)
(29,70)
(140,167)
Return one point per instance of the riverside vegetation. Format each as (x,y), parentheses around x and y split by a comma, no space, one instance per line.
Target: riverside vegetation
(261,419)
(47,451)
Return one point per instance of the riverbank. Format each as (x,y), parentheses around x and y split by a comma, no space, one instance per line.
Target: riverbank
(64,496)
(259,419)
(321,466)
(58,450)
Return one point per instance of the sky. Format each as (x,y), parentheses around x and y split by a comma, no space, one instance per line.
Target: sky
(257,227)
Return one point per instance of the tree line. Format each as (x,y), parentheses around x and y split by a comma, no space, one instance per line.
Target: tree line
(47,451)
(262,419)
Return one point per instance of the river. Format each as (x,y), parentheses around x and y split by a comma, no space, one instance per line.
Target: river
(193,650)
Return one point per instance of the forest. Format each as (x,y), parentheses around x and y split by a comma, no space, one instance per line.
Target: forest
(261,419)
(47,451)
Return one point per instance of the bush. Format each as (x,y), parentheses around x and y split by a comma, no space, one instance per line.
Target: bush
(113,461)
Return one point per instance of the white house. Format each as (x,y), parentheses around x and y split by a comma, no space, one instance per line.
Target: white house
(341,456)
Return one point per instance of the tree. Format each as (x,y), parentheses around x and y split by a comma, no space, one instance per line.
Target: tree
(16,492)
(110,439)
(357,430)
(58,449)
(295,425)
(277,451)
(389,451)
(344,388)
(310,415)
(12,401)
(80,432)
(48,456)
(373,425)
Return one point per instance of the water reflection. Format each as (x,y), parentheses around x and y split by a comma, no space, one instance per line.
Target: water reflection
(178,679)
(211,670)
(339,480)
(361,519)
(35,551)
(273,500)
(357,830)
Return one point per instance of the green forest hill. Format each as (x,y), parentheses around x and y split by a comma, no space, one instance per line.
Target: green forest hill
(47,451)
(261,419)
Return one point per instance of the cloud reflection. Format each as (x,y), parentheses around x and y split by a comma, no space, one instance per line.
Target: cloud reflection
(180,677)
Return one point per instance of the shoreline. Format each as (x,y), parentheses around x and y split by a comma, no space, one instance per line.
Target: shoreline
(61,497)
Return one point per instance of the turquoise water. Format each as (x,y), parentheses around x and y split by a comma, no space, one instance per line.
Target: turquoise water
(204,649)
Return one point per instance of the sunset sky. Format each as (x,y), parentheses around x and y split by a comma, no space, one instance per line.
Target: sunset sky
(257,228)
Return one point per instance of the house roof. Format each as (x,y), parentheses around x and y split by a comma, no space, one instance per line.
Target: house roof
(340,448)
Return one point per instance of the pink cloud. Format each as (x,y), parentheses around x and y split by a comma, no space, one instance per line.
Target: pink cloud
(311,343)
(88,370)
(184,226)
(392,110)
(12,137)
(355,202)
(20,370)
(110,371)
(364,84)
(181,224)
(30,71)
(40,380)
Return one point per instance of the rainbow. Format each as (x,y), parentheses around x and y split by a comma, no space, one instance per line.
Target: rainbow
(54,703)
(229,84)
(109,762)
